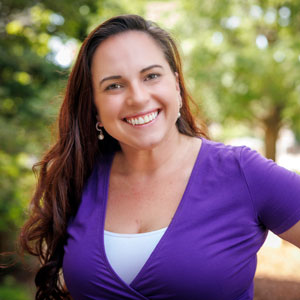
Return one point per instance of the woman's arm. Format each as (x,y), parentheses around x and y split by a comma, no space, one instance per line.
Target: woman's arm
(292,235)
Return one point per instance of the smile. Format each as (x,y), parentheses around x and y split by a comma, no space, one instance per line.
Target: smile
(142,120)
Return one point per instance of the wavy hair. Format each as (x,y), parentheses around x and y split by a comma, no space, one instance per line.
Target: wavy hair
(64,169)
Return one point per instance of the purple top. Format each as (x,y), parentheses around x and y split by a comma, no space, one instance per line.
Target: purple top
(208,252)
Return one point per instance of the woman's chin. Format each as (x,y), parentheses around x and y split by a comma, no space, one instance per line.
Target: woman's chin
(143,144)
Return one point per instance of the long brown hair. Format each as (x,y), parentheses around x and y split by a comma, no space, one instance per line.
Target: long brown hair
(65,168)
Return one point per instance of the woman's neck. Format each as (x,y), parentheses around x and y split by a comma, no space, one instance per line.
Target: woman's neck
(132,161)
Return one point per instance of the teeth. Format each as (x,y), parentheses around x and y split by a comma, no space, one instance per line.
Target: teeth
(142,120)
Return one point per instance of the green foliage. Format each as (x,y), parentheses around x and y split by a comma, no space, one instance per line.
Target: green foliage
(243,59)
(16,182)
(27,82)
(11,290)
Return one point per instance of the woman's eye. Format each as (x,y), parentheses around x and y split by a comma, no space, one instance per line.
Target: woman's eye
(113,86)
(151,76)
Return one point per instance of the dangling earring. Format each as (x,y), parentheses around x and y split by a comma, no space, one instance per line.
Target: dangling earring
(101,135)
(180,105)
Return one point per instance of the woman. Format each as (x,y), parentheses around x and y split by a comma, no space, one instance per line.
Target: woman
(149,209)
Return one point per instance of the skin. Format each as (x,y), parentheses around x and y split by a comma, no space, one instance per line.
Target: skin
(131,78)
(292,235)
(139,89)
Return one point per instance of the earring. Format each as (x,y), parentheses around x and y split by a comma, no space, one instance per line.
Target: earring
(101,135)
(180,105)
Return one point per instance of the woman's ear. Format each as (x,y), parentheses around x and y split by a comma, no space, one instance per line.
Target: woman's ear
(99,120)
(177,82)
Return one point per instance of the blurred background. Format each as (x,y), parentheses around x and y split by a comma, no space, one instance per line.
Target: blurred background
(241,62)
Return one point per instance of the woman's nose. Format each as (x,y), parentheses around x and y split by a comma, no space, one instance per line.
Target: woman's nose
(137,94)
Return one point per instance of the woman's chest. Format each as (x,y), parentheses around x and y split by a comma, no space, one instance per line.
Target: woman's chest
(209,248)
(203,252)
(138,206)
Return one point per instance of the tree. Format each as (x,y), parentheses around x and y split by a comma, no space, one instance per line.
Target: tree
(31,81)
(243,60)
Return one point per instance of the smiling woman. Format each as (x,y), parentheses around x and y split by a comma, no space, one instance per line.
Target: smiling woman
(136,98)
(151,209)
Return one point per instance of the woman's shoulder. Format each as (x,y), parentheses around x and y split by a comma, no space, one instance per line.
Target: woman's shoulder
(223,152)
(230,158)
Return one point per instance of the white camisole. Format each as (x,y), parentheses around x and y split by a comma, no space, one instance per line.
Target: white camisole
(127,253)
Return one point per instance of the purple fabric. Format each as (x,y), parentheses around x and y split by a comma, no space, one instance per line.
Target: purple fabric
(209,250)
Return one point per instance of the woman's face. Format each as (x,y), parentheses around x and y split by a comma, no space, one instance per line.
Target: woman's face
(135,92)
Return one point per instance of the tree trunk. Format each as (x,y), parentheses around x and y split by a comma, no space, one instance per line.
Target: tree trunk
(272,125)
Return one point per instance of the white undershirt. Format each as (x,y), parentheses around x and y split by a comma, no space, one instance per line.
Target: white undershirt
(127,253)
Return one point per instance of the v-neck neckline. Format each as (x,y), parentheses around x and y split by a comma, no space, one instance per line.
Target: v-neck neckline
(169,229)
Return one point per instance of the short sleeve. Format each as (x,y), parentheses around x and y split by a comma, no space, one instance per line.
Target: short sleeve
(275,191)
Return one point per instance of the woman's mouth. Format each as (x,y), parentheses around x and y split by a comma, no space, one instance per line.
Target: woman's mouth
(143,119)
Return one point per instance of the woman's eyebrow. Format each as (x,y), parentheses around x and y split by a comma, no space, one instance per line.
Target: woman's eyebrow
(110,78)
(150,67)
(119,76)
